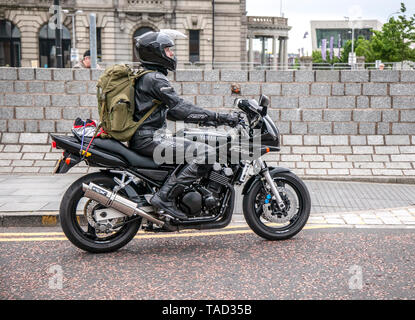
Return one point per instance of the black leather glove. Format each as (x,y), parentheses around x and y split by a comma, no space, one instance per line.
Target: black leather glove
(231,120)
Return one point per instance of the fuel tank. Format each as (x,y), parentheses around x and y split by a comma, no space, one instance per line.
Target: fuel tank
(207,136)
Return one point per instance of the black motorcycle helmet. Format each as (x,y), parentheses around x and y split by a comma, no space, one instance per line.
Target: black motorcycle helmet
(149,49)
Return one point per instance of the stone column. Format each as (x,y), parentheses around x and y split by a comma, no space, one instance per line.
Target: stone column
(274,52)
(281,53)
(286,52)
(283,58)
(263,55)
(251,52)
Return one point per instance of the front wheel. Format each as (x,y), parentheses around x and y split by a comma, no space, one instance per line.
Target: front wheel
(264,216)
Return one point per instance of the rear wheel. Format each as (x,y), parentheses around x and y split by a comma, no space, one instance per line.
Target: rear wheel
(88,233)
(263,214)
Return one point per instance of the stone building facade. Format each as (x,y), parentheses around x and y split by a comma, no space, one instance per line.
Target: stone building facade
(216,28)
(274,28)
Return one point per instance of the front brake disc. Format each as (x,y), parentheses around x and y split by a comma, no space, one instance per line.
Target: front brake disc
(271,213)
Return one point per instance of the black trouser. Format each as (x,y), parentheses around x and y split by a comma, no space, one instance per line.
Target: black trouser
(176,150)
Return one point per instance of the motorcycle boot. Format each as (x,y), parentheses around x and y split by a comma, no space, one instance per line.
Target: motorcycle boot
(164,199)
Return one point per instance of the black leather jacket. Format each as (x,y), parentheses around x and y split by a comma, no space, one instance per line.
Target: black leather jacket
(155,85)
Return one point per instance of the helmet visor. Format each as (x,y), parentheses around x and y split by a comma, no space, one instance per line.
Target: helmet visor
(173,34)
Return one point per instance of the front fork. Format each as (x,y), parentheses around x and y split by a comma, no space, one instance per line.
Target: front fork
(266,174)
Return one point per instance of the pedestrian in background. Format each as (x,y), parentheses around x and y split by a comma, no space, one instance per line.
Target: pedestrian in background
(85,63)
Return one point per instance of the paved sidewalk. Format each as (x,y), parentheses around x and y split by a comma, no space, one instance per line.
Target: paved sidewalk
(339,203)
(367,218)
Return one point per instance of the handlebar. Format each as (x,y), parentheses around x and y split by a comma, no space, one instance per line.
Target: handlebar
(241,121)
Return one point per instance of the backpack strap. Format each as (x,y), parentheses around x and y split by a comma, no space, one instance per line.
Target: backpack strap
(149,113)
(132,100)
(132,87)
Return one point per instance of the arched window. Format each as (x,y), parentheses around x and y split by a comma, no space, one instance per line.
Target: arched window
(47,49)
(137,33)
(9,44)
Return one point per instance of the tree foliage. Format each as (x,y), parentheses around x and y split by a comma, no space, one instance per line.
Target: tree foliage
(363,47)
(393,43)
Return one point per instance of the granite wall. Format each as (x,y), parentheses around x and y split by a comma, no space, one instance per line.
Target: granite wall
(334,124)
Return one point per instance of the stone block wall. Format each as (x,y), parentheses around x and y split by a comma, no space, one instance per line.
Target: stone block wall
(334,124)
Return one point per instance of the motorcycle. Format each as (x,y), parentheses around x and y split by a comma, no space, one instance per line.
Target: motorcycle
(103,211)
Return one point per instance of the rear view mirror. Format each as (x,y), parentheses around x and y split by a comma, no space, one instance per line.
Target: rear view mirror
(264,103)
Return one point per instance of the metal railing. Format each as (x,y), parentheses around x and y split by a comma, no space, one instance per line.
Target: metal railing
(408,65)
(250,66)
(267,21)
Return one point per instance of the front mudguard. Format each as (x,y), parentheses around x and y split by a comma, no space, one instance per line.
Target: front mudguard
(251,182)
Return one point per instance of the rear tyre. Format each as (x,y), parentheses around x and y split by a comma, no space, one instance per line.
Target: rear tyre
(86,237)
(266,220)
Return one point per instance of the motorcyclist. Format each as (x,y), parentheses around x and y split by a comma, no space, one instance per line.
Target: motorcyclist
(154,50)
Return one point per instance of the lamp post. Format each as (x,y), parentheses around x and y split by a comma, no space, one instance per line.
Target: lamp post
(213,34)
(58,34)
(352,57)
(73,15)
(73,24)
(348,20)
(93,39)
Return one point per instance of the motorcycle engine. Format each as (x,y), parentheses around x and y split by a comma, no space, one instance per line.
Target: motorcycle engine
(191,203)
(205,198)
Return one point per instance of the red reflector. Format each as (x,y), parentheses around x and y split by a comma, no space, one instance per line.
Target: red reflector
(68,161)
(54,144)
(267,150)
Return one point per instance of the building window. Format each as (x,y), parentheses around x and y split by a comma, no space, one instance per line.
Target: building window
(344,34)
(47,48)
(194,46)
(99,44)
(9,44)
(137,33)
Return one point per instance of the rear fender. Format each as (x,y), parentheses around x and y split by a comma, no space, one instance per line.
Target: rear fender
(66,163)
(251,182)
(94,156)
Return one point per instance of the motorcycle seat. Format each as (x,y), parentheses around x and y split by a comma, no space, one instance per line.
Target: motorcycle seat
(114,146)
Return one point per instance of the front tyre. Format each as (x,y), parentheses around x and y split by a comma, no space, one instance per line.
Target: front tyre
(88,237)
(263,214)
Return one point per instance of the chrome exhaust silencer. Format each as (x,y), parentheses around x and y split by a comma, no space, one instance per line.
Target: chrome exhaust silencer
(112,200)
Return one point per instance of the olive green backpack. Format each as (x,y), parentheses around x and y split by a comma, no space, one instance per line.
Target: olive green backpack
(115,93)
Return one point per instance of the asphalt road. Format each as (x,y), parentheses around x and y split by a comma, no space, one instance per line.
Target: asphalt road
(319,263)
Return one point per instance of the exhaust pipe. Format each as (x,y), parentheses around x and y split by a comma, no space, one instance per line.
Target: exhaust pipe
(112,200)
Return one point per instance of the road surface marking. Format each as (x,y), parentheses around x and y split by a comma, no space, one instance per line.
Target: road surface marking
(54,236)
(28,234)
(37,236)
